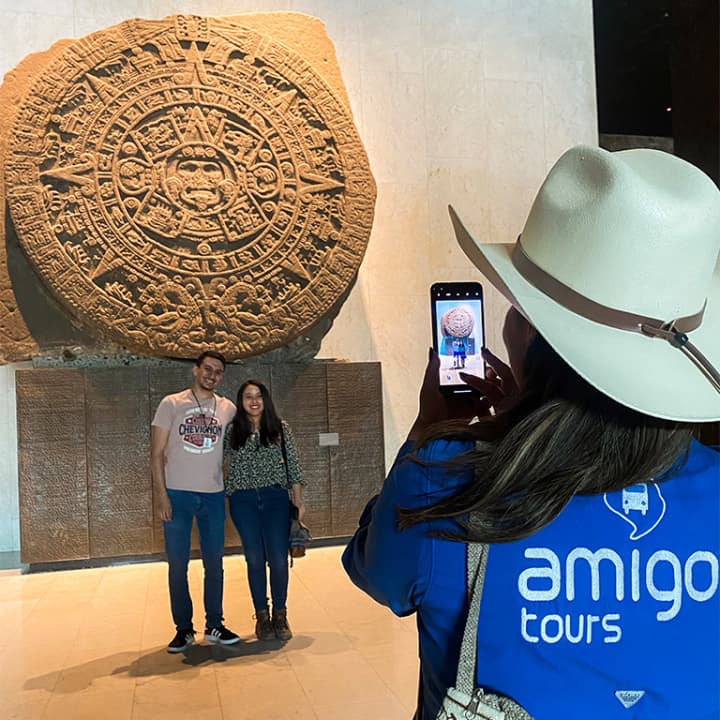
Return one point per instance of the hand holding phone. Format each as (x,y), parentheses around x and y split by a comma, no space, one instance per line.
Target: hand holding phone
(458,327)
(498,387)
(439,407)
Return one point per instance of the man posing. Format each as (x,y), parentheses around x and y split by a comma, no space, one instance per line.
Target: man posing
(186,453)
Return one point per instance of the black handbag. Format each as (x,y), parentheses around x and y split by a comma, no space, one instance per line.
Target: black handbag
(299,536)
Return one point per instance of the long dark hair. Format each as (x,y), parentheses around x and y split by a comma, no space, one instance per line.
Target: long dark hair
(561,438)
(270,422)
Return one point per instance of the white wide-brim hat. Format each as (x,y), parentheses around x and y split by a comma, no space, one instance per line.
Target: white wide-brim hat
(617,268)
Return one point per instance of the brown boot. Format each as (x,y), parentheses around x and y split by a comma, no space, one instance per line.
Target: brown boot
(263,627)
(280,625)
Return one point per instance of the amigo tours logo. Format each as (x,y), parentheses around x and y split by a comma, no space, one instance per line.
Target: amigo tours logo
(661,580)
(662,577)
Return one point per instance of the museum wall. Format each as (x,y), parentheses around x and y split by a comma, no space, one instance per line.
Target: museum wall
(467,102)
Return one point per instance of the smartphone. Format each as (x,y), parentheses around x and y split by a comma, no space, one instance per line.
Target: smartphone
(458,325)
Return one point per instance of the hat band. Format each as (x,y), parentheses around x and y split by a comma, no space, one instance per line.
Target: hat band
(673,331)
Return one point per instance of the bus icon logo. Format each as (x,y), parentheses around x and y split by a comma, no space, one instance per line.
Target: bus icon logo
(635,497)
(645,500)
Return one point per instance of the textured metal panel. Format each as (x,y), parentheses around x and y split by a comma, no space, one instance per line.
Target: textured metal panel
(52,466)
(85,485)
(236,375)
(300,393)
(165,380)
(118,450)
(354,397)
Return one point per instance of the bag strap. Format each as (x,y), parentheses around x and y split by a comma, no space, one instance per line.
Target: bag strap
(477,555)
(284,454)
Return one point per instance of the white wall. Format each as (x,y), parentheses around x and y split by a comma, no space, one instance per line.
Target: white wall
(462,101)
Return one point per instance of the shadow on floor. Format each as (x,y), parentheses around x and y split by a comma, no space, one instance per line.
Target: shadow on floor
(154,663)
(199,654)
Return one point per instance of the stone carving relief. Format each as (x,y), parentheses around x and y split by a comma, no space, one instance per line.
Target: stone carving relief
(189,181)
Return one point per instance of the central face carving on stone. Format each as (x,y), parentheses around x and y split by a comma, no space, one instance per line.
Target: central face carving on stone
(199,181)
(189,181)
(190,185)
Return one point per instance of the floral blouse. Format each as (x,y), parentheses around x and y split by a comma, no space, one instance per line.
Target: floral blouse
(256,466)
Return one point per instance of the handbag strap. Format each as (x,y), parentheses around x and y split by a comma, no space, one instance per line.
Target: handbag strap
(284,454)
(477,555)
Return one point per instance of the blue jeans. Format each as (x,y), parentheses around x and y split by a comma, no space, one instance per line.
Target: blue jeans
(262,519)
(209,511)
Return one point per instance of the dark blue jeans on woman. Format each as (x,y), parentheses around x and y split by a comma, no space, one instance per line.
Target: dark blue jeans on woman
(262,519)
(209,511)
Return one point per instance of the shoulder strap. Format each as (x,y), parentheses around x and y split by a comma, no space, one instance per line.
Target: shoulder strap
(284,454)
(476,563)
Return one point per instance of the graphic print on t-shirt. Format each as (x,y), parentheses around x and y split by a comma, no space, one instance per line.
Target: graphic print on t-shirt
(199,431)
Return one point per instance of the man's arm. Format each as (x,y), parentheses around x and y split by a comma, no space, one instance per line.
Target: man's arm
(158,443)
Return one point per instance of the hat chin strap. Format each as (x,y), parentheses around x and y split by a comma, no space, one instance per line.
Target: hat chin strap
(673,331)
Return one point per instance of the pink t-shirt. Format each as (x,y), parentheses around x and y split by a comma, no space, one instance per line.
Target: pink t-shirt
(194,451)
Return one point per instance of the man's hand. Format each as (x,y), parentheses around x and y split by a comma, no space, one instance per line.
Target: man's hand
(164,508)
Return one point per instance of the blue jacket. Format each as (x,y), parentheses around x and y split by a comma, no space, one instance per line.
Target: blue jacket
(610,612)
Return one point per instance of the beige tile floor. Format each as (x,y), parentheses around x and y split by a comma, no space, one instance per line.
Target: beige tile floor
(83,644)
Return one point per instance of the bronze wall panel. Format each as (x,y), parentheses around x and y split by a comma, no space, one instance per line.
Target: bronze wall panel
(354,396)
(163,381)
(118,450)
(84,435)
(52,465)
(236,375)
(300,393)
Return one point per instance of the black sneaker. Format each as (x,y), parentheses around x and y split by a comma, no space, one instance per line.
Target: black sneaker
(222,635)
(182,641)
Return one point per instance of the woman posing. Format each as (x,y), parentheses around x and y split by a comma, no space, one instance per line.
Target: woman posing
(593,511)
(263,477)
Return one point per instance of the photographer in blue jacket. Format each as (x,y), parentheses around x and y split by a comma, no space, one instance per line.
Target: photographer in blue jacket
(600,513)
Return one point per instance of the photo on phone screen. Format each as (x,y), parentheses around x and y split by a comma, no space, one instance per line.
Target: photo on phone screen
(458,326)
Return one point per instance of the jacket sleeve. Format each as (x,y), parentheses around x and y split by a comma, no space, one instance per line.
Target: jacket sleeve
(395,566)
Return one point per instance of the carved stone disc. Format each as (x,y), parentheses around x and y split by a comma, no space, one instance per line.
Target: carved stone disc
(187,182)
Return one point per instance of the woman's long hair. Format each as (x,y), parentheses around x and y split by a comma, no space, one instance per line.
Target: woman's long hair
(561,438)
(270,422)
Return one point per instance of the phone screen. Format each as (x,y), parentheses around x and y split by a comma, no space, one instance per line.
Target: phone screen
(458,331)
